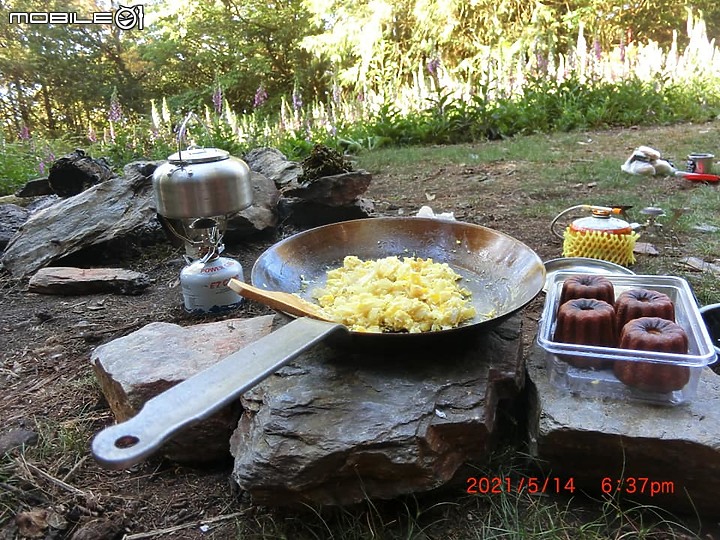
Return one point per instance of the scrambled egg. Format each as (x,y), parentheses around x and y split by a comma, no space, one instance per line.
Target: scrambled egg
(393,295)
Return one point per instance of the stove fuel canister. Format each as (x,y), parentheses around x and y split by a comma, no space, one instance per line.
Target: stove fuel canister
(204,285)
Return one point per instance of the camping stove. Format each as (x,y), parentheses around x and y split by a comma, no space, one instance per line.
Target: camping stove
(195,192)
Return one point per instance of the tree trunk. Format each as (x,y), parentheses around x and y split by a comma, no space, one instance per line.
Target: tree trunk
(51,123)
(22,105)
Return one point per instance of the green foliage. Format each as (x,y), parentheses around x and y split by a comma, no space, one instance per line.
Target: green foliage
(59,78)
(400,81)
(24,160)
(17,163)
(370,46)
(56,77)
(543,107)
(237,46)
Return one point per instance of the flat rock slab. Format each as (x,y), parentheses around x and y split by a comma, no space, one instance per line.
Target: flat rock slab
(337,427)
(66,280)
(137,367)
(598,442)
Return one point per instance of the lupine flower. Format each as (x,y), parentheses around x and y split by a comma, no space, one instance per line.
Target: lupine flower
(155,114)
(297,99)
(165,111)
(282,122)
(116,113)
(433,65)
(260,96)
(542,62)
(41,167)
(622,50)
(91,134)
(24,134)
(597,49)
(231,119)
(217,99)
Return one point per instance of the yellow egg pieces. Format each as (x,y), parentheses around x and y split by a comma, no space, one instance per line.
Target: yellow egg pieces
(394,295)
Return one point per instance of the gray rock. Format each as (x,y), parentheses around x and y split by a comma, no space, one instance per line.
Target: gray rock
(40,203)
(35,188)
(337,427)
(273,164)
(65,280)
(17,438)
(597,442)
(336,190)
(134,368)
(103,212)
(262,214)
(12,217)
(141,168)
(311,214)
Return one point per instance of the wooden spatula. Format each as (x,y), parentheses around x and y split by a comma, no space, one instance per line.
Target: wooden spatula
(282,301)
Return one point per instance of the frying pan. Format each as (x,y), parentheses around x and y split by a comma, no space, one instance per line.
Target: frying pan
(502,273)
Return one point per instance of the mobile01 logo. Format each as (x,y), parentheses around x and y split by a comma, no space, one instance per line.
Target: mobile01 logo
(124,17)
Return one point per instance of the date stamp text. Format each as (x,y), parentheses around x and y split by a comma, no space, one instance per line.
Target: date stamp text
(629,485)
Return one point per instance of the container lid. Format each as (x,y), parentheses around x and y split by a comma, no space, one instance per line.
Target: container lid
(198,155)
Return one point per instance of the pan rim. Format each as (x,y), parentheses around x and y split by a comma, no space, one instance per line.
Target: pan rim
(473,324)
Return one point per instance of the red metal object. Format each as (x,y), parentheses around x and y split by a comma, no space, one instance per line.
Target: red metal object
(698,177)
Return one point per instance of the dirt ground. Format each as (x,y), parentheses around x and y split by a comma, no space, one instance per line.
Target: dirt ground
(47,386)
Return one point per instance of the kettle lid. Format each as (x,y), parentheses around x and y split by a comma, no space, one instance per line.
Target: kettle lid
(198,155)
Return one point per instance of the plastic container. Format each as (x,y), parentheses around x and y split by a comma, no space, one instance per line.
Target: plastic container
(603,383)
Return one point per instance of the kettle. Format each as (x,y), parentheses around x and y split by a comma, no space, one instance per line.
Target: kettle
(598,236)
(201,182)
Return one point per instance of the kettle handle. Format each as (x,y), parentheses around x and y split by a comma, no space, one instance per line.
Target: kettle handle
(182,132)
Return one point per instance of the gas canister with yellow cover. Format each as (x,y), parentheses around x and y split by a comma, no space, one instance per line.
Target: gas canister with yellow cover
(600,235)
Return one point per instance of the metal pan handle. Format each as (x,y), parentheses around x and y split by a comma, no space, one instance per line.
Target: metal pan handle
(123,445)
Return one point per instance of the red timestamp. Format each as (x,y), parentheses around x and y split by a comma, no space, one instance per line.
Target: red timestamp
(637,485)
(483,485)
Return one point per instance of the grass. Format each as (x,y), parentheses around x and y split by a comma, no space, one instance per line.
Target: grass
(497,516)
